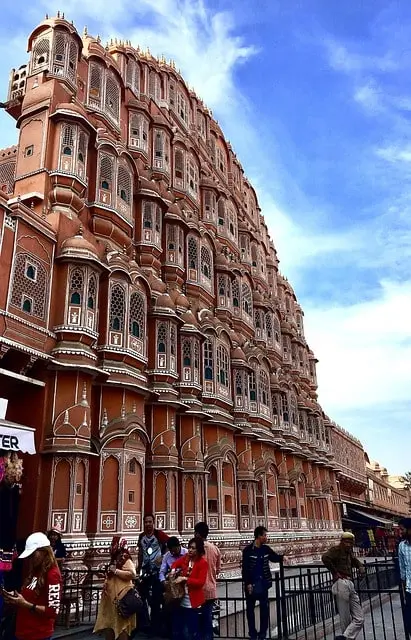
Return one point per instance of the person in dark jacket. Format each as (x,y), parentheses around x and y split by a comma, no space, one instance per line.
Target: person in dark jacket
(257,579)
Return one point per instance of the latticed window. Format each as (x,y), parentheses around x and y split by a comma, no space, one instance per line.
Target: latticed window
(285,411)
(138,132)
(206,265)
(59,50)
(124,189)
(239,383)
(117,307)
(92,292)
(269,327)
(76,287)
(223,366)
(252,386)
(187,350)
(95,89)
(245,247)
(112,97)
(209,206)
(208,360)
(67,140)
(192,177)
(247,300)
(151,221)
(106,172)
(72,60)
(161,151)
(235,290)
(201,125)
(221,212)
(27,290)
(192,250)
(133,76)
(82,154)
(154,87)
(264,389)
(172,94)
(7,173)
(293,409)
(182,108)
(221,160)
(41,54)
(137,315)
(232,222)
(179,168)
(162,337)
(277,331)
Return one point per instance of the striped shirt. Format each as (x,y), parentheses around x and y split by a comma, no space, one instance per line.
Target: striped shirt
(404,559)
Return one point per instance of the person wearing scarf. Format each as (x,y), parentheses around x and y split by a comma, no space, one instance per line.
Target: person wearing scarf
(119,579)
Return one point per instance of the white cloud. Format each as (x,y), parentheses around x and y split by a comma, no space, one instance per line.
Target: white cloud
(395,153)
(341,58)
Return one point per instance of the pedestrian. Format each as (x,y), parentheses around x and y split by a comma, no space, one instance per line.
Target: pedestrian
(151,547)
(38,604)
(192,570)
(175,551)
(257,579)
(59,549)
(340,561)
(213,557)
(404,560)
(119,579)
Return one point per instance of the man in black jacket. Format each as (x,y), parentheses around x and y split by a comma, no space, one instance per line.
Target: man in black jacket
(257,580)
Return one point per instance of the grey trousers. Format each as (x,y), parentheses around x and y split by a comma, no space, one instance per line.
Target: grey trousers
(349,608)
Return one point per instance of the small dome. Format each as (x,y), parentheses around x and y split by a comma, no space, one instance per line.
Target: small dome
(149,185)
(79,246)
(258,298)
(238,354)
(174,209)
(189,319)
(159,119)
(157,285)
(164,302)
(181,301)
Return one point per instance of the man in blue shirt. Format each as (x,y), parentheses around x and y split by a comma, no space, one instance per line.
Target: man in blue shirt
(257,580)
(404,559)
(175,551)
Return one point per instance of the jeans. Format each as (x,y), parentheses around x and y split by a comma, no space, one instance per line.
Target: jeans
(207,620)
(186,624)
(151,592)
(407,612)
(250,607)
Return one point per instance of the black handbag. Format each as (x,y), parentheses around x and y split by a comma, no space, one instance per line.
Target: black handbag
(130,603)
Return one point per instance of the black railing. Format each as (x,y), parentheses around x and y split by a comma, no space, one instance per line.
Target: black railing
(301,605)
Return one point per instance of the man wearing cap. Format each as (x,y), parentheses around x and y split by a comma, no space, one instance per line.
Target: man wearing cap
(340,561)
(404,559)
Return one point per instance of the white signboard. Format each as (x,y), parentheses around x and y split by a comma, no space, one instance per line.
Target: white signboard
(15,438)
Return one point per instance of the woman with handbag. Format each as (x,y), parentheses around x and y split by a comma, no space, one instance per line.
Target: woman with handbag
(192,575)
(119,581)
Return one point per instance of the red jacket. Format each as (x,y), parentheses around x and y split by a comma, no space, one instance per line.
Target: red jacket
(196,580)
(36,626)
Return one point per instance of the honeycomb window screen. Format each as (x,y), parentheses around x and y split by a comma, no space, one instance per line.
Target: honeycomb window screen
(82,153)
(7,173)
(76,287)
(264,388)
(72,60)
(247,300)
(133,76)
(117,307)
(68,139)
(252,386)
(192,177)
(209,205)
(235,289)
(154,86)
(137,315)
(161,337)
(206,263)
(179,164)
(277,330)
(95,88)
(92,292)
(221,212)
(173,340)
(138,132)
(239,383)
(41,54)
(223,366)
(159,150)
(24,287)
(157,223)
(269,325)
(112,98)
(59,48)
(148,222)
(124,188)
(192,246)
(106,172)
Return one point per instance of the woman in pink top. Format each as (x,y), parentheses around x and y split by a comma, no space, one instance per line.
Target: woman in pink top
(213,557)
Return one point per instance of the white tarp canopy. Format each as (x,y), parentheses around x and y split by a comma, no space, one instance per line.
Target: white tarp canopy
(15,437)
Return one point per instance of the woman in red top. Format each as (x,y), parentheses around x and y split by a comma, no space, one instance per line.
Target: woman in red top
(39,601)
(193,569)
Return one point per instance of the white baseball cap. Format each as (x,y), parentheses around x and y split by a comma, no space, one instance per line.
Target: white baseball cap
(35,541)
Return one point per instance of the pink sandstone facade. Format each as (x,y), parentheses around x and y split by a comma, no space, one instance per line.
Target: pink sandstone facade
(146,333)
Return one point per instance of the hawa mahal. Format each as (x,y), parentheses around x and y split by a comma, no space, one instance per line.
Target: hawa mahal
(147,336)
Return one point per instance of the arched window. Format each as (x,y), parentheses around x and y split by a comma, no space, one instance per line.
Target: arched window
(264,392)
(34,291)
(162,338)
(192,177)
(208,360)
(117,307)
(151,220)
(95,86)
(112,97)
(106,178)
(137,320)
(252,387)
(175,244)
(277,332)
(133,76)
(124,189)
(27,305)
(206,267)
(209,206)
(82,154)
(223,367)
(179,168)
(154,89)
(221,212)
(138,132)
(76,286)
(72,60)
(41,54)
(59,52)
(247,300)
(67,147)
(269,328)
(192,258)
(235,290)
(92,291)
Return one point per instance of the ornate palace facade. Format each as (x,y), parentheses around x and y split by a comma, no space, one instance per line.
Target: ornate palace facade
(145,330)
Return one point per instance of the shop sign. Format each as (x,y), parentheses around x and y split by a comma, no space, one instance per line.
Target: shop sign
(15,439)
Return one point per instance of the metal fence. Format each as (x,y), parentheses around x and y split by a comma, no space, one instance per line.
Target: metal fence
(301,606)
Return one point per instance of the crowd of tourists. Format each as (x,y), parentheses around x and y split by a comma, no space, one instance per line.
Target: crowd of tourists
(171,590)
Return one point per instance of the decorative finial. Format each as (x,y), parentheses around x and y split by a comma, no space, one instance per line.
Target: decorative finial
(84,395)
(47,16)
(98,39)
(104,422)
(32,205)
(80,230)
(123,411)
(85,31)
(62,15)
(58,14)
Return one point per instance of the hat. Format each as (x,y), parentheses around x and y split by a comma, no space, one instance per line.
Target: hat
(35,541)
(57,529)
(347,536)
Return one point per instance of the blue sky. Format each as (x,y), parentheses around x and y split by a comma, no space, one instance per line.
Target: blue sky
(315,97)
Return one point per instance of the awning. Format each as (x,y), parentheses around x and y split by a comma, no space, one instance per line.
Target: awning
(367,518)
(16,437)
